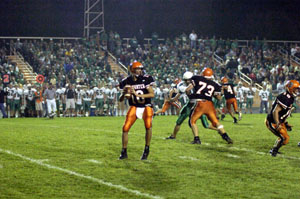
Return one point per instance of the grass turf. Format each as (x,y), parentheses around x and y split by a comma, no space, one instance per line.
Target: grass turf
(89,147)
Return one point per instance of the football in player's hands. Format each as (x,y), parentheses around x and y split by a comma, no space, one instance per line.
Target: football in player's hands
(127,91)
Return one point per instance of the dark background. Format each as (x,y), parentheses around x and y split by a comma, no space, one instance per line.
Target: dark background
(242,19)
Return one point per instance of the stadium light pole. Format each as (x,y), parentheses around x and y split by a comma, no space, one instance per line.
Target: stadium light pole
(93,17)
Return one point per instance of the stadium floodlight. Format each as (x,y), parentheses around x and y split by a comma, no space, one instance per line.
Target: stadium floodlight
(93,17)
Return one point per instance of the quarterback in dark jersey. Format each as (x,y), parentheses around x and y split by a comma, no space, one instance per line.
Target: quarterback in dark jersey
(137,88)
(229,95)
(281,110)
(205,89)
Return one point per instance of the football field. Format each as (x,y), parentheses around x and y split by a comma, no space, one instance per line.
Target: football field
(78,158)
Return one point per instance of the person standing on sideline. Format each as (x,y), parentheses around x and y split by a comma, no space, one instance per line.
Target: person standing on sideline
(264,96)
(137,88)
(49,96)
(2,101)
(70,100)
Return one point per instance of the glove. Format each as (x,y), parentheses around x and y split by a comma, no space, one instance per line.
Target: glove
(288,127)
(4,105)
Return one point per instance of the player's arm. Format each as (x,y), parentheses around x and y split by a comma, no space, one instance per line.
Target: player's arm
(175,98)
(189,88)
(122,96)
(276,115)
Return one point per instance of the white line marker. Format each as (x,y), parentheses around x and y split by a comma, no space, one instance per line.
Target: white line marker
(232,156)
(43,160)
(120,187)
(188,158)
(94,161)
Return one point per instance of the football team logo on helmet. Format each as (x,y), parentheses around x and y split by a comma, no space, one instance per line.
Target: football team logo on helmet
(293,87)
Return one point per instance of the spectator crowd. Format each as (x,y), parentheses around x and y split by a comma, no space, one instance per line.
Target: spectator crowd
(85,84)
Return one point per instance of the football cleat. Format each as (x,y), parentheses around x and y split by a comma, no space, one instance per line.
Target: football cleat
(196,141)
(123,155)
(145,155)
(227,138)
(222,116)
(273,152)
(235,120)
(170,138)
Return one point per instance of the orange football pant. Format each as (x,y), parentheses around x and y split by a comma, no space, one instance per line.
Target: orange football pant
(131,118)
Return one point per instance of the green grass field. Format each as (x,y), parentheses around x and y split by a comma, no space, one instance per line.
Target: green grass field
(78,158)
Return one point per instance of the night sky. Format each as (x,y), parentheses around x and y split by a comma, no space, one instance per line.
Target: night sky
(272,19)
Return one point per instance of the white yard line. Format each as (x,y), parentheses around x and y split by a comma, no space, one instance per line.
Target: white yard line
(188,158)
(232,156)
(94,161)
(99,181)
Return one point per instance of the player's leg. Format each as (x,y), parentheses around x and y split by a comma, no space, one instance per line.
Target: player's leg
(130,119)
(194,116)
(184,113)
(210,112)
(147,117)
(164,108)
(281,133)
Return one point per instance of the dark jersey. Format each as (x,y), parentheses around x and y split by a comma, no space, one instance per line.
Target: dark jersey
(140,86)
(228,91)
(285,100)
(204,88)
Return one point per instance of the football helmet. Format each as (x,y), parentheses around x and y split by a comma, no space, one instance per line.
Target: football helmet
(177,81)
(293,87)
(135,65)
(187,75)
(224,80)
(208,73)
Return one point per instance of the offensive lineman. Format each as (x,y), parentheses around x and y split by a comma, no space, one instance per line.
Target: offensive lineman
(204,89)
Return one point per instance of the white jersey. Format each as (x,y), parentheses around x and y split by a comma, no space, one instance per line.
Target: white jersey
(79,95)
(181,87)
(240,94)
(165,93)
(10,92)
(264,95)
(111,93)
(250,93)
(18,93)
(99,92)
(59,93)
(29,94)
(87,95)
(160,94)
